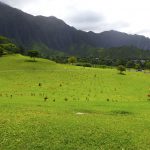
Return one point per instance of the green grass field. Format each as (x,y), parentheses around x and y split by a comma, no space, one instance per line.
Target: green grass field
(87,108)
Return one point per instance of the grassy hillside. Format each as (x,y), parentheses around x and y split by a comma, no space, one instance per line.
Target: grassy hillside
(87,108)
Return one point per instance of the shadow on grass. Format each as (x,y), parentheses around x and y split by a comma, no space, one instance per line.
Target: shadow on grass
(121,73)
(29,60)
(120,112)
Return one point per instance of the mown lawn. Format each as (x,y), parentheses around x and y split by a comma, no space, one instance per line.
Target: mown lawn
(86,109)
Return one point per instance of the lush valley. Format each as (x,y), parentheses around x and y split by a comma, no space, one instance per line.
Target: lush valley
(67,89)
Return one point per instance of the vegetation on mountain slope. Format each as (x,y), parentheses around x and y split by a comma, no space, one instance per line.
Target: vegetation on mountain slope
(51,35)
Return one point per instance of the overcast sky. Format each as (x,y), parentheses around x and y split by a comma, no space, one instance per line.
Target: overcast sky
(131,16)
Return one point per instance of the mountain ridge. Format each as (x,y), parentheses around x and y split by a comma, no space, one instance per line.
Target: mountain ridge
(53,34)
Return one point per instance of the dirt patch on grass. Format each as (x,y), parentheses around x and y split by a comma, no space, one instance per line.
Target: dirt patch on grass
(81,113)
(87,112)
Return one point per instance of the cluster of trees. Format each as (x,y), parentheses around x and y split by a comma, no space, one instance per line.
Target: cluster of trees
(120,64)
(92,61)
(1,51)
(33,54)
(129,57)
(128,63)
(8,47)
(121,69)
(72,60)
(124,52)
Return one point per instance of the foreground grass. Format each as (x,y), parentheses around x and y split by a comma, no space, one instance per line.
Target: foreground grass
(87,108)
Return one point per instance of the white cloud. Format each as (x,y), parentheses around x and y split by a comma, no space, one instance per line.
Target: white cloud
(131,16)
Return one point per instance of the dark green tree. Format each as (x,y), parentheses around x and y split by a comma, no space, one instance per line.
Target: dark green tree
(121,69)
(33,54)
(10,47)
(138,67)
(147,65)
(130,64)
(120,62)
(72,60)
(21,49)
(1,51)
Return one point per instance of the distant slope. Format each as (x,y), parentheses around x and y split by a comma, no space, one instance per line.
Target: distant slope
(19,62)
(47,32)
(115,39)
(124,52)
(50,34)
(7,46)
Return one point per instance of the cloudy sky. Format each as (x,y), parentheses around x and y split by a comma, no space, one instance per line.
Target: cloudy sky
(131,16)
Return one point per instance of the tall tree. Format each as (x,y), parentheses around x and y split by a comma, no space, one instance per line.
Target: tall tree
(33,54)
(121,69)
(72,60)
(1,51)
(148,65)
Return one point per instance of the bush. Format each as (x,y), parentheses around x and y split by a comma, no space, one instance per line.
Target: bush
(121,69)
(33,54)
(10,47)
(72,60)
(79,64)
(1,51)
(84,64)
(148,65)
(104,66)
(138,67)
(87,65)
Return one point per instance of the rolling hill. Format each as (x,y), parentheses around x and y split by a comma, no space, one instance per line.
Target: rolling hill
(87,108)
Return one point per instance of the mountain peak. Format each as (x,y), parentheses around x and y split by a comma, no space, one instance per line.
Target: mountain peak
(51,19)
(2,3)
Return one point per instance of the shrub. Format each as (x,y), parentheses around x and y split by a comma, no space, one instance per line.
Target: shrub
(121,69)
(33,54)
(79,64)
(87,65)
(84,64)
(138,67)
(10,47)
(72,60)
(1,51)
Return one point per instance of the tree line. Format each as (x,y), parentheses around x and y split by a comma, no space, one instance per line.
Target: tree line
(138,64)
(127,56)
